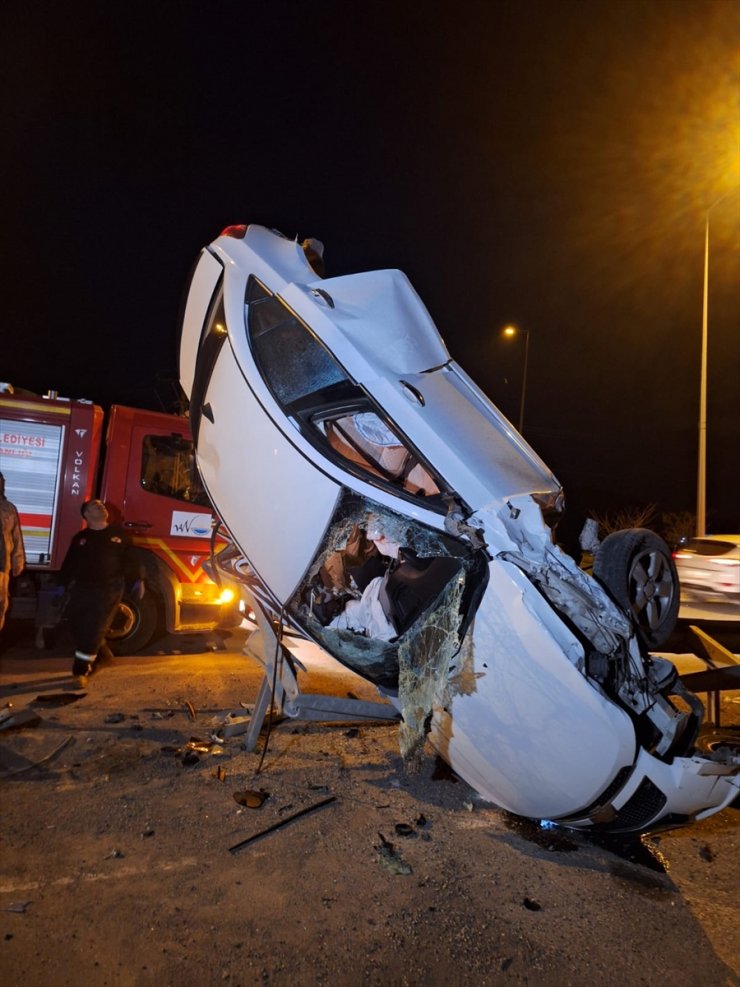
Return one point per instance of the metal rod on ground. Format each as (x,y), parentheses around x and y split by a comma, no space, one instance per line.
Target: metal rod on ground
(281,824)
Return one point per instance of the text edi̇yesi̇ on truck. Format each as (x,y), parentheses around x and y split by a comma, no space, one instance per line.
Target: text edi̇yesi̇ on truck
(50,454)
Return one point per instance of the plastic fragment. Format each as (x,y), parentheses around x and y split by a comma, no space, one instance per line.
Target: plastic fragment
(59,698)
(389,857)
(23,718)
(201,746)
(36,764)
(18,906)
(251,799)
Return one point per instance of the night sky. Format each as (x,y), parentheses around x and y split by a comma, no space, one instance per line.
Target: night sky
(547,164)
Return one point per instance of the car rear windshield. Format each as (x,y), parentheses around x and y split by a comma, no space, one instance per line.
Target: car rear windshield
(700,546)
(292,361)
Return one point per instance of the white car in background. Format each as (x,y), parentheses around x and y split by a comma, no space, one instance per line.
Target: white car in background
(387,511)
(709,569)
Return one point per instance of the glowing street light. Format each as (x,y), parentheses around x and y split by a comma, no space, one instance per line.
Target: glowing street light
(701,483)
(512,331)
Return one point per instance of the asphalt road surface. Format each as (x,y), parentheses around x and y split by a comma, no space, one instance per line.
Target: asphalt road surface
(120,812)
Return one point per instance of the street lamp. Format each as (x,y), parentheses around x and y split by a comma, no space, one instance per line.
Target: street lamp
(512,331)
(701,483)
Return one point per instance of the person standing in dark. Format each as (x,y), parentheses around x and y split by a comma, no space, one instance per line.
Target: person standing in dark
(97,567)
(12,555)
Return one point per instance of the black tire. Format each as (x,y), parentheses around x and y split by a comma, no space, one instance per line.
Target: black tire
(712,738)
(636,567)
(134,625)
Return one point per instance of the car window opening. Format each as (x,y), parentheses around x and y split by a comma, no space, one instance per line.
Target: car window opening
(306,380)
(364,439)
(393,601)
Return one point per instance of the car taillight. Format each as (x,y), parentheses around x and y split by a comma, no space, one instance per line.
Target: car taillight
(238,231)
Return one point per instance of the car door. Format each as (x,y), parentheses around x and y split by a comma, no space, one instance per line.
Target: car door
(277,500)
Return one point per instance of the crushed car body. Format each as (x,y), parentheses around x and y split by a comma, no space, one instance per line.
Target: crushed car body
(385,509)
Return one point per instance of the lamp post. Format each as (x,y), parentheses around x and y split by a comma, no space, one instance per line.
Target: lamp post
(512,331)
(701,482)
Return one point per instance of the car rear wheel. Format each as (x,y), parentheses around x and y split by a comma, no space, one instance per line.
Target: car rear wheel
(134,625)
(636,567)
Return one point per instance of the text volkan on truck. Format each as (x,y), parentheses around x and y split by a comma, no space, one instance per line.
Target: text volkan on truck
(52,451)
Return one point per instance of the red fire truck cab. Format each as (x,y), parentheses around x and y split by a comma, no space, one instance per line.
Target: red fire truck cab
(51,452)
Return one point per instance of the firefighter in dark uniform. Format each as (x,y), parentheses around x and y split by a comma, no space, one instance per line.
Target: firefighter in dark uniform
(98,565)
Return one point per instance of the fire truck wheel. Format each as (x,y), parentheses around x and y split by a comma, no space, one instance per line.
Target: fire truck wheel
(134,625)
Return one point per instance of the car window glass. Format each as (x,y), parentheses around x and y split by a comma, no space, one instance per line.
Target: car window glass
(700,547)
(308,382)
(363,438)
(168,469)
(291,360)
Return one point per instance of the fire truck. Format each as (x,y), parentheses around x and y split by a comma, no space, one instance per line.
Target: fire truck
(55,454)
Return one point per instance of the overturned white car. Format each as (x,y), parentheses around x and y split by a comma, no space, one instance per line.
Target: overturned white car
(389,512)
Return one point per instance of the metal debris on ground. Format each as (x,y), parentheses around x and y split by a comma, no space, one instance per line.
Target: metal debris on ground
(59,698)
(220,773)
(283,822)
(19,720)
(44,760)
(18,906)
(234,725)
(203,746)
(391,859)
(192,750)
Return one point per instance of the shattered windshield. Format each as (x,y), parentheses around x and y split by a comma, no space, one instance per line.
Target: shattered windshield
(290,358)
